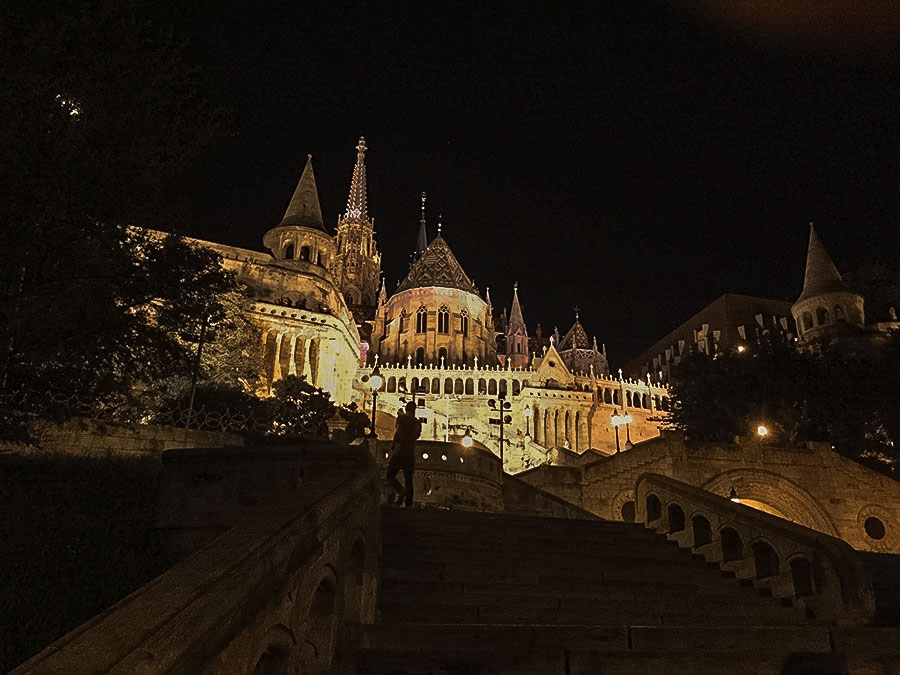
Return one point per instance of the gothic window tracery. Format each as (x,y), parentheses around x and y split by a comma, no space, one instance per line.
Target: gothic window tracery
(403,320)
(443,319)
(421,320)
(464,323)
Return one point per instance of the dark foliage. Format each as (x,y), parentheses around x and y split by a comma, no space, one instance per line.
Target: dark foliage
(842,394)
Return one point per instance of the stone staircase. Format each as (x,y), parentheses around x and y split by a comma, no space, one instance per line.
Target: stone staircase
(465,593)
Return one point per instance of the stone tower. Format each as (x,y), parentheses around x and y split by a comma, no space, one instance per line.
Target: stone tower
(357,261)
(827,307)
(300,241)
(516,334)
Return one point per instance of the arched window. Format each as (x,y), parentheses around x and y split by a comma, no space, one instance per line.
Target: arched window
(492,387)
(732,546)
(448,385)
(516,388)
(628,400)
(421,320)
(676,518)
(464,323)
(702,531)
(766,560)
(288,251)
(654,508)
(822,316)
(403,321)
(304,253)
(801,574)
(839,313)
(420,356)
(607,396)
(482,386)
(807,321)
(470,386)
(443,319)
(391,385)
(458,386)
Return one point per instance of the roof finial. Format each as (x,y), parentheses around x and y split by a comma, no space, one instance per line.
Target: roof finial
(356,201)
(422,241)
(577,310)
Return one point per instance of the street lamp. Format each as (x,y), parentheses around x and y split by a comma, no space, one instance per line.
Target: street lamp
(618,419)
(467,439)
(528,412)
(375,382)
(761,430)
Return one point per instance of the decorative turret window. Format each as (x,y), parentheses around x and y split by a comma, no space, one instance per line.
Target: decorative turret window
(288,251)
(443,319)
(421,320)
(304,253)
(464,323)
(807,321)
(822,316)
(839,313)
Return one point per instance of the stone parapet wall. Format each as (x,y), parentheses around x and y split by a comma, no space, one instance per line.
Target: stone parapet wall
(84,436)
(812,486)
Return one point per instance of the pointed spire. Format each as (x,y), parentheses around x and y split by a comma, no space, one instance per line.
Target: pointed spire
(422,242)
(821,274)
(516,322)
(303,209)
(382,294)
(487,295)
(356,201)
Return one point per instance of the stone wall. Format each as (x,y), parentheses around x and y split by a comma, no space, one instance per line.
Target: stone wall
(812,486)
(86,436)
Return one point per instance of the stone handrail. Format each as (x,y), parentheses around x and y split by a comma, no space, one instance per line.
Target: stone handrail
(287,589)
(815,571)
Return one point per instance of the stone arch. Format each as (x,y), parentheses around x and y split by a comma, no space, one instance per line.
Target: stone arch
(458,387)
(391,385)
(304,253)
(765,560)
(839,314)
(628,400)
(616,397)
(435,385)
(653,508)
(482,386)
(807,321)
(676,518)
(732,544)
(355,582)
(318,641)
(502,388)
(702,530)
(275,657)
(516,388)
(470,386)
(288,252)
(777,492)
(617,504)
(492,387)
(607,396)
(426,385)
(448,385)
(822,316)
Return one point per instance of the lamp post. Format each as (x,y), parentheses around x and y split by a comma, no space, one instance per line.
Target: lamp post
(618,419)
(528,412)
(467,439)
(375,382)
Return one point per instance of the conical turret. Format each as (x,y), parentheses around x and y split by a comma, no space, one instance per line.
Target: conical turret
(821,274)
(827,307)
(304,209)
(516,333)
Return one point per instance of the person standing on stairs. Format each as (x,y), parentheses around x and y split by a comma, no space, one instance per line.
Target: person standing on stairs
(403,454)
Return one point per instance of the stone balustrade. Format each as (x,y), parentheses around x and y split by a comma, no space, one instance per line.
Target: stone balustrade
(815,571)
(287,589)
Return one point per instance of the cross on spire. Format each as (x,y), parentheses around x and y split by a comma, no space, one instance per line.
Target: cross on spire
(577,309)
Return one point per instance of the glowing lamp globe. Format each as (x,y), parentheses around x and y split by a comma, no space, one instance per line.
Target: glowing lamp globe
(761,430)
(467,441)
(375,381)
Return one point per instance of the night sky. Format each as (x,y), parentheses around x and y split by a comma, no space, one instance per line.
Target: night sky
(633,159)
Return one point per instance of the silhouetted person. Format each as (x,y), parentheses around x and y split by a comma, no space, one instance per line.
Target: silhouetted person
(403,454)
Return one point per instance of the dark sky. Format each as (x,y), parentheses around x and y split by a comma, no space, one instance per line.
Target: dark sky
(634,159)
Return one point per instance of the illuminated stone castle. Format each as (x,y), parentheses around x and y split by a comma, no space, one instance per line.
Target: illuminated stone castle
(317,299)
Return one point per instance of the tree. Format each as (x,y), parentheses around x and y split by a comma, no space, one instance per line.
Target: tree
(834,393)
(299,410)
(99,114)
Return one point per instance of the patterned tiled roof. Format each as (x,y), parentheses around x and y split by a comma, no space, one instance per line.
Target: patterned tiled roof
(437,267)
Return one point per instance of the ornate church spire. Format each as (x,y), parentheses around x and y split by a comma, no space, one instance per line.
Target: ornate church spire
(303,209)
(516,322)
(356,202)
(422,242)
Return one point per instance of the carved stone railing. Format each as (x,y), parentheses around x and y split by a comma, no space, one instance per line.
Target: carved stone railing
(288,589)
(812,570)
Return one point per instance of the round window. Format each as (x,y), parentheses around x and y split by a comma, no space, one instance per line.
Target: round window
(874,527)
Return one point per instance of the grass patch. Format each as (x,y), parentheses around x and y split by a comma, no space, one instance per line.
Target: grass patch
(75,538)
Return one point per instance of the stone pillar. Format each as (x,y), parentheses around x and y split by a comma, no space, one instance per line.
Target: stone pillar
(276,375)
(292,363)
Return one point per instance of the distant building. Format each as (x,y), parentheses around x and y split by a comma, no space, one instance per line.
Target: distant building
(728,322)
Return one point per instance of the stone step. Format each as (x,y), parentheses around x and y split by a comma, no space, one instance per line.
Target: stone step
(475,544)
(541,559)
(413,610)
(424,637)
(572,596)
